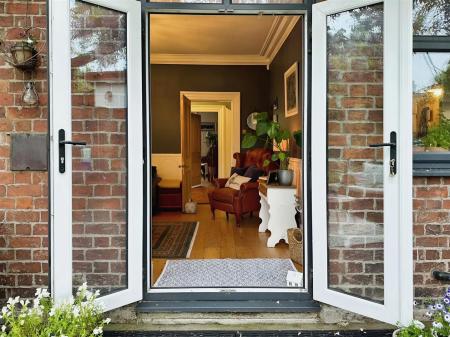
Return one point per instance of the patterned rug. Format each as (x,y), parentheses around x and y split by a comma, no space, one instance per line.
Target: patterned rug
(173,240)
(225,273)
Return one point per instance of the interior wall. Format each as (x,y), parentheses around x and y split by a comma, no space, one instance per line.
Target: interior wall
(290,52)
(168,80)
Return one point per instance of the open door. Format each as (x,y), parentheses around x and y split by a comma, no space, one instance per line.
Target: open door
(196,149)
(186,155)
(96,149)
(362,157)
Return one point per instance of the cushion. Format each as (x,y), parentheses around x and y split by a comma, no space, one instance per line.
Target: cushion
(238,170)
(254,173)
(236,181)
(224,195)
(169,183)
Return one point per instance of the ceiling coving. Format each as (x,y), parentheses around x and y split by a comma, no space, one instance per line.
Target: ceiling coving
(217,40)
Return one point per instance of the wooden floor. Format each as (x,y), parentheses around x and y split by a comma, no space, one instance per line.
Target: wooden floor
(219,239)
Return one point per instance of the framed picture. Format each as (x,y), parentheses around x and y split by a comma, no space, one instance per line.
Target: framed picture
(291,91)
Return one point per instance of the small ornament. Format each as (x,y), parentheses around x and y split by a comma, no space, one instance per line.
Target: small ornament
(30,96)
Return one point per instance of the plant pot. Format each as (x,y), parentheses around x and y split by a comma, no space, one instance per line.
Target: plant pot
(285,177)
(24,56)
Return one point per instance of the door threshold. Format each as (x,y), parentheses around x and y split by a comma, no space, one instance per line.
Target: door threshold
(229,306)
(250,333)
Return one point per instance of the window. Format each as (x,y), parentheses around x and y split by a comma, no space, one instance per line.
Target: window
(431,86)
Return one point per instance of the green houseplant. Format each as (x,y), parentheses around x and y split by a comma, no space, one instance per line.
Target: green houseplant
(272,134)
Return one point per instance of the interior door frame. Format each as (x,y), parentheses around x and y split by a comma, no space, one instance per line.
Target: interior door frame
(266,299)
(60,189)
(398,248)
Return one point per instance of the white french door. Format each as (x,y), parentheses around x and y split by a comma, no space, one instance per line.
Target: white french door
(362,157)
(96,149)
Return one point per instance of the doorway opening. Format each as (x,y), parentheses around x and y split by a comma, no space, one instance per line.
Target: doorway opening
(211,77)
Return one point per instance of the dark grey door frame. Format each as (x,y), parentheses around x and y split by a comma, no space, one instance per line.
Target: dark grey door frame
(227,300)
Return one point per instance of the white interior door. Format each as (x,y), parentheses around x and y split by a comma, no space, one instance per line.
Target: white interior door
(362,185)
(96,149)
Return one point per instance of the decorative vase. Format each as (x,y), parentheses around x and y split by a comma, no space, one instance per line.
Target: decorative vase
(285,177)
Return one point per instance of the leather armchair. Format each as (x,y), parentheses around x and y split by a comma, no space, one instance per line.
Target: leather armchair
(246,199)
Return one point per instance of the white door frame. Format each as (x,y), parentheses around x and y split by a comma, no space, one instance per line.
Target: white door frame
(61,183)
(398,260)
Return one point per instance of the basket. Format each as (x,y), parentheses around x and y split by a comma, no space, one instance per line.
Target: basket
(295,238)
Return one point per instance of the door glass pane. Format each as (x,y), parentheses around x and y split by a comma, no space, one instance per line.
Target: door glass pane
(431,102)
(431,17)
(354,170)
(99,117)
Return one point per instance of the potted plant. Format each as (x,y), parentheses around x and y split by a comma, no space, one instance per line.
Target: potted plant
(76,317)
(272,134)
(438,315)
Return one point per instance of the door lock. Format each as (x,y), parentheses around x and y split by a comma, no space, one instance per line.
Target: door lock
(62,142)
(393,152)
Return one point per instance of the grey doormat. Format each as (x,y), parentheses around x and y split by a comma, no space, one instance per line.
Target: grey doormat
(225,273)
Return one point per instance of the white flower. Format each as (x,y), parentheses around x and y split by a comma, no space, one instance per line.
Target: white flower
(447,318)
(107,321)
(97,293)
(439,306)
(83,287)
(76,311)
(429,314)
(446,300)
(4,310)
(437,325)
(64,336)
(98,331)
(52,312)
(415,303)
(3,328)
(418,324)
(22,322)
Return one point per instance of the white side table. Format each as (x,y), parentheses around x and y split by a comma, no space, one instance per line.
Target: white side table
(277,211)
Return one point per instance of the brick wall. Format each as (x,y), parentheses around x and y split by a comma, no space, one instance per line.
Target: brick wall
(23,195)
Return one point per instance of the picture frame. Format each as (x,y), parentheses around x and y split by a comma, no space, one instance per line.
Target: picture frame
(291,91)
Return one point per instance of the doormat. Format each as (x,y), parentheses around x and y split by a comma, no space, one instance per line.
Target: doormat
(290,333)
(225,273)
(173,240)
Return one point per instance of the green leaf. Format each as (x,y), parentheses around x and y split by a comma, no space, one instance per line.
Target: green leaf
(298,137)
(266,162)
(285,134)
(261,128)
(275,157)
(249,140)
(273,130)
(262,116)
(282,156)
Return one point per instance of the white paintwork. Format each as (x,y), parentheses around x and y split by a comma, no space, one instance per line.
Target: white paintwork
(168,165)
(277,213)
(398,272)
(60,118)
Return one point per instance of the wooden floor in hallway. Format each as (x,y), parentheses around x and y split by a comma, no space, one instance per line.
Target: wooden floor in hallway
(221,239)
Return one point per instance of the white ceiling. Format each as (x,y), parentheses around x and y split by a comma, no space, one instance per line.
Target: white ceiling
(217,39)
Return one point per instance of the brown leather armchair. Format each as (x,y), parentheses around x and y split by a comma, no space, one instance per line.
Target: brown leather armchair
(243,201)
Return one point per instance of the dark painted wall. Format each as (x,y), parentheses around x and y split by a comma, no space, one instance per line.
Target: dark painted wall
(168,80)
(290,52)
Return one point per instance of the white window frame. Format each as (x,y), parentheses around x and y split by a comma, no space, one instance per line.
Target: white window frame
(61,184)
(398,259)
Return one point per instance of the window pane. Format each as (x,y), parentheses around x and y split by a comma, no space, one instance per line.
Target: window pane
(99,117)
(267,1)
(431,104)
(431,17)
(354,170)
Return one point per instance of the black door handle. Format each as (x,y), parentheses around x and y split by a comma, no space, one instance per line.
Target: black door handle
(393,153)
(62,149)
